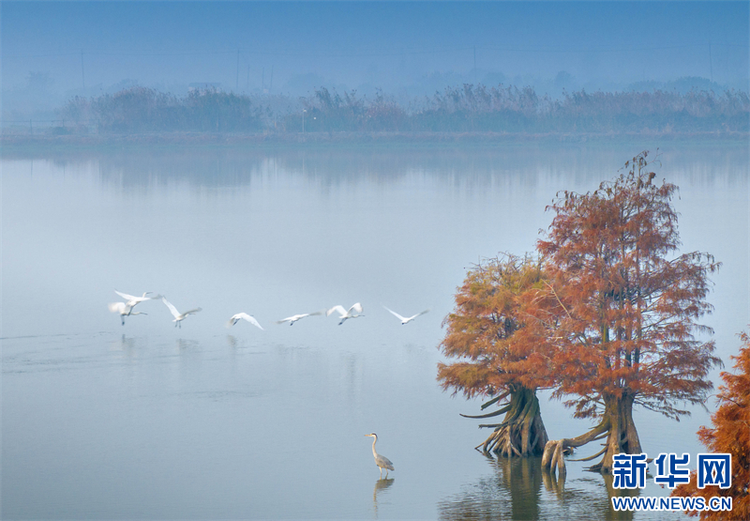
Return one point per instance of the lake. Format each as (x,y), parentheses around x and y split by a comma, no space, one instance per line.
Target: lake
(150,421)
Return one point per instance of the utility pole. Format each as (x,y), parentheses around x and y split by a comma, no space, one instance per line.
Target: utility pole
(270,82)
(475,64)
(83,76)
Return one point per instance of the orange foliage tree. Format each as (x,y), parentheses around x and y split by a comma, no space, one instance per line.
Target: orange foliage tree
(499,330)
(631,305)
(729,435)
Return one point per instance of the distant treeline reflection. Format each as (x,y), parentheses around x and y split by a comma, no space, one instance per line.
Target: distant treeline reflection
(469,108)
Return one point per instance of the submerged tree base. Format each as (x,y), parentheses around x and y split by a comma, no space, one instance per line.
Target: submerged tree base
(522,432)
(617,427)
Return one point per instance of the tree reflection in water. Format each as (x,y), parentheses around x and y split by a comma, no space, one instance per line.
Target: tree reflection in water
(518,489)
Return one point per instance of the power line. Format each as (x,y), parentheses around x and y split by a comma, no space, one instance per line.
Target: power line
(361,54)
(601,49)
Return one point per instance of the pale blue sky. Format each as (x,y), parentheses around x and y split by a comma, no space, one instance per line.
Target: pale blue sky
(375,44)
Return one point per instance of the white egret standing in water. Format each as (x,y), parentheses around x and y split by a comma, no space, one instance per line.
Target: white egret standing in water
(295,318)
(405,320)
(178,317)
(346,314)
(381,461)
(236,318)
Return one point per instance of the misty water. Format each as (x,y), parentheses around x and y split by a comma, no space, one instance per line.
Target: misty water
(150,421)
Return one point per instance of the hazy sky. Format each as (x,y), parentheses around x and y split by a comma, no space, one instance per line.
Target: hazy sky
(368,44)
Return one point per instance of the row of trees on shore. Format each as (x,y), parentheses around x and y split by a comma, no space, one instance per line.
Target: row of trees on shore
(468,108)
(606,314)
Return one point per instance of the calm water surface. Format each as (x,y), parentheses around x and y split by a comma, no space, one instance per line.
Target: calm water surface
(149,421)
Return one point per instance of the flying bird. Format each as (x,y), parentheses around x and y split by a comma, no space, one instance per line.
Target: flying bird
(178,317)
(353,312)
(131,301)
(236,318)
(405,320)
(125,309)
(381,461)
(295,318)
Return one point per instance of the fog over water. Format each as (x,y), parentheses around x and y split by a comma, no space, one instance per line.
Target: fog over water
(149,421)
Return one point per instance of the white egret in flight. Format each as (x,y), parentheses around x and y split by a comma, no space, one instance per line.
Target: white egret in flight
(178,317)
(353,312)
(405,320)
(295,318)
(236,318)
(132,301)
(381,461)
(125,309)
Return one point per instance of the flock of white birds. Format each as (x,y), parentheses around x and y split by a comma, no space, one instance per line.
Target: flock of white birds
(125,309)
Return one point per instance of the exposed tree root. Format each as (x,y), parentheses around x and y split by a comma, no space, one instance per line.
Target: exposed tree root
(616,426)
(589,458)
(522,431)
(554,450)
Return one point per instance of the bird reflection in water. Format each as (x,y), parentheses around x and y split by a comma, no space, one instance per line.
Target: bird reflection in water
(125,344)
(380,486)
(233,345)
(186,345)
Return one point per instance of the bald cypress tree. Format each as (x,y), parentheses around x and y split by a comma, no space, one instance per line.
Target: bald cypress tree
(730,434)
(629,333)
(499,331)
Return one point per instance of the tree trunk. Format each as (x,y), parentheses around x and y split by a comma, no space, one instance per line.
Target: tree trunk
(623,436)
(522,432)
(617,426)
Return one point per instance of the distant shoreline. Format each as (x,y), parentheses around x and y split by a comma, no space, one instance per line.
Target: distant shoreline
(26,142)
